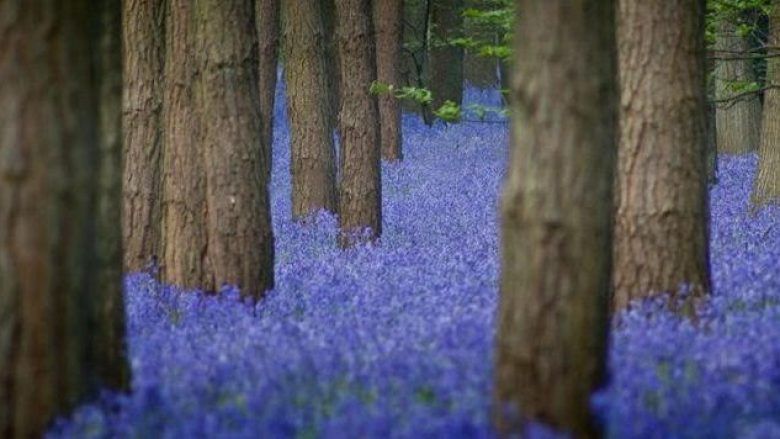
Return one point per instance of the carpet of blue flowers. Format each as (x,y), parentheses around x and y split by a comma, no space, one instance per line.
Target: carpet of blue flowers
(396,339)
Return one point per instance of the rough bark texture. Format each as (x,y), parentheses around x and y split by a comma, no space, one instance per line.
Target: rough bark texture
(388,16)
(557,217)
(446,60)
(661,229)
(267,23)
(142,106)
(240,241)
(312,161)
(328,8)
(184,232)
(766,188)
(109,352)
(50,165)
(360,189)
(738,123)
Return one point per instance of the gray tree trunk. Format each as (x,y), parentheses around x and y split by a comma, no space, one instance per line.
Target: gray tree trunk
(766,189)
(738,124)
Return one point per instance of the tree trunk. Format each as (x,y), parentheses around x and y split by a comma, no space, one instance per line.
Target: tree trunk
(184,233)
(738,122)
(240,240)
(360,190)
(661,229)
(312,160)
(766,188)
(388,16)
(556,217)
(109,353)
(328,8)
(267,22)
(142,108)
(446,60)
(52,181)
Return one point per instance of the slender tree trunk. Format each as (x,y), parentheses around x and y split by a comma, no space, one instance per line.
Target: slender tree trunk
(312,160)
(446,60)
(108,349)
(267,22)
(360,190)
(738,122)
(240,240)
(661,230)
(557,217)
(184,232)
(143,35)
(52,181)
(388,15)
(766,188)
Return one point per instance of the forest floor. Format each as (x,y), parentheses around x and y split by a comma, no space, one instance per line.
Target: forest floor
(396,339)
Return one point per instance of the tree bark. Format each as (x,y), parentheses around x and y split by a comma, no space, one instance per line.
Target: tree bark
(267,23)
(738,123)
(240,240)
(446,60)
(143,33)
(661,229)
(360,190)
(313,159)
(184,232)
(766,188)
(52,181)
(388,16)
(328,8)
(557,216)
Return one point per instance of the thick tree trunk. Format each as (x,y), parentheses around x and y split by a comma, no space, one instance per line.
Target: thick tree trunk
(388,16)
(360,190)
(738,122)
(267,23)
(556,217)
(446,60)
(184,232)
(766,188)
(142,108)
(240,240)
(661,229)
(312,160)
(52,181)
(109,353)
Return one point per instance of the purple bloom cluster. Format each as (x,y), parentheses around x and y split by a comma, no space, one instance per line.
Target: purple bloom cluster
(395,339)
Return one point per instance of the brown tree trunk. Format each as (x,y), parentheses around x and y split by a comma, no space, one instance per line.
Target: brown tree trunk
(766,189)
(267,23)
(109,352)
(143,35)
(738,123)
(360,190)
(50,188)
(312,160)
(184,231)
(557,217)
(328,8)
(661,229)
(387,18)
(240,240)
(446,59)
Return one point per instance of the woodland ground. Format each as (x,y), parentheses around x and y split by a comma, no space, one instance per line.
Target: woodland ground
(396,339)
